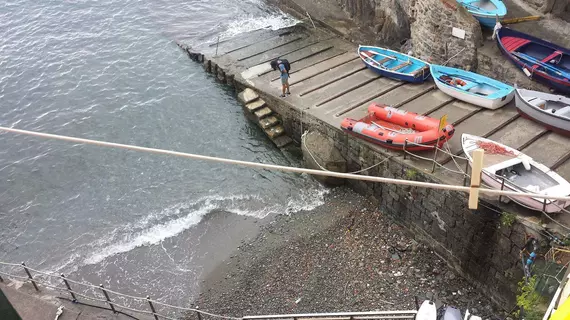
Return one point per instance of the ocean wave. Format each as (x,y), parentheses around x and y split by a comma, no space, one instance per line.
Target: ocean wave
(250,23)
(309,200)
(153,229)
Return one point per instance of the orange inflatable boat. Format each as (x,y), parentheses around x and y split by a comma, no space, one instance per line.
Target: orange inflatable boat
(391,127)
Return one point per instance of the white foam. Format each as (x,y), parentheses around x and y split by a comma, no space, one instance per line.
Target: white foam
(250,23)
(309,200)
(148,231)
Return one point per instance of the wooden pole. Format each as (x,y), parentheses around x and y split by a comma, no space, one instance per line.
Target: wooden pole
(476,168)
(522,19)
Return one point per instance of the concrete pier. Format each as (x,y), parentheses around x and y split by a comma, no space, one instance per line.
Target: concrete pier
(329,82)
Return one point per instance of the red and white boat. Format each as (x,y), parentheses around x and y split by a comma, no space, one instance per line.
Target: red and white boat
(519,172)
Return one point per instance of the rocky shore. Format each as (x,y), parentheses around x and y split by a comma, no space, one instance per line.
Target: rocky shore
(343,256)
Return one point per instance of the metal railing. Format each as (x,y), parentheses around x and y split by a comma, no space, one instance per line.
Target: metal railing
(370,315)
(81,290)
(109,299)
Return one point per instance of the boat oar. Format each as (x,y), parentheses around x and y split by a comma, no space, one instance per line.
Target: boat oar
(542,64)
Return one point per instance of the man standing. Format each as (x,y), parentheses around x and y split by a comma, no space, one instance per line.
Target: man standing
(284,79)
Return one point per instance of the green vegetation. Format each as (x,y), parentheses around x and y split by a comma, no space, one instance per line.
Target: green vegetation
(529,300)
(411,174)
(508,219)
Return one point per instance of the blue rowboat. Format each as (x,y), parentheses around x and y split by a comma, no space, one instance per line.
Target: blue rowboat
(472,87)
(393,64)
(485,11)
(541,60)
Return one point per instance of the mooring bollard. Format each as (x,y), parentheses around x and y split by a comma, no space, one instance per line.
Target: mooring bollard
(30,276)
(107,298)
(68,288)
(151,307)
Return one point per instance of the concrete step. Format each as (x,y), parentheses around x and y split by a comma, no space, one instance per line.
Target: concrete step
(282,141)
(274,131)
(268,122)
(263,112)
(255,105)
(247,96)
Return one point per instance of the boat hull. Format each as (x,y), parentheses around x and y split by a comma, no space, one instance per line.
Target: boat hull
(557,124)
(478,101)
(488,13)
(501,95)
(416,72)
(553,184)
(557,83)
(531,203)
(487,20)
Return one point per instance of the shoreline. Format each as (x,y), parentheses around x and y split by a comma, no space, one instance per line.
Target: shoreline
(335,258)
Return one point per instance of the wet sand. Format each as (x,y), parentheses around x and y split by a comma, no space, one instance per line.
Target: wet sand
(342,256)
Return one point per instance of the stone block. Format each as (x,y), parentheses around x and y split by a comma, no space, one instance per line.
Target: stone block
(274,131)
(282,141)
(221,75)
(268,121)
(255,105)
(207,65)
(263,112)
(319,150)
(247,96)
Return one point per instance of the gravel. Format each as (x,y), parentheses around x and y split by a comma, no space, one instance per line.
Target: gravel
(342,256)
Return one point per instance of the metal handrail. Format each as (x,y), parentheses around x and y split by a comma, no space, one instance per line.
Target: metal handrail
(112,304)
(351,315)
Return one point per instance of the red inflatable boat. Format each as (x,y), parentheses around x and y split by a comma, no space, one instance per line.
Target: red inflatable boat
(391,127)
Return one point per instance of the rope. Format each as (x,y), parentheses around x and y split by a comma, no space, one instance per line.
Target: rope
(325,169)
(282,168)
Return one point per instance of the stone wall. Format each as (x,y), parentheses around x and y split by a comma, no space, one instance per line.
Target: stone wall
(432,33)
(471,241)
(387,20)
(557,7)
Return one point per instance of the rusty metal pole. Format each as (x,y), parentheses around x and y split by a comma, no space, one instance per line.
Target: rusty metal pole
(198,314)
(434,158)
(30,276)
(68,288)
(107,298)
(1,280)
(466,175)
(544,206)
(151,307)
(405,145)
(502,187)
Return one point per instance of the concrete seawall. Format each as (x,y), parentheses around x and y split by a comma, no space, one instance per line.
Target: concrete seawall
(328,83)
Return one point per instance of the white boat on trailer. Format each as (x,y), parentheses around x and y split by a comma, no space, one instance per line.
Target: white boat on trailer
(550,110)
(512,170)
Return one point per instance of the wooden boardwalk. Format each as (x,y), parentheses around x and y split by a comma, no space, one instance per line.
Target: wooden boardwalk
(329,81)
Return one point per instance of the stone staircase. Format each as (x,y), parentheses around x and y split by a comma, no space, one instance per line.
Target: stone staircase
(257,110)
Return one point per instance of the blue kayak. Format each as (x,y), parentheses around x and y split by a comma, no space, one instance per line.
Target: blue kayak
(472,87)
(485,11)
(393,64)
